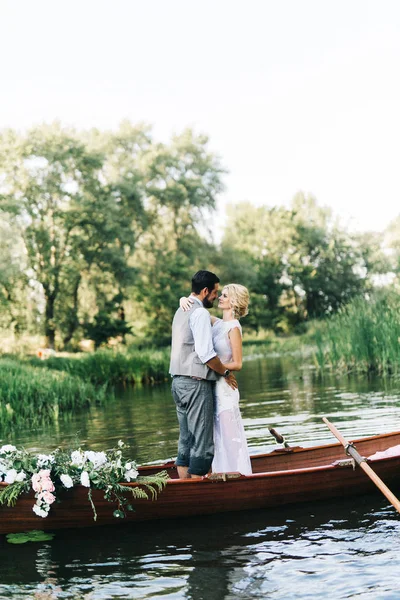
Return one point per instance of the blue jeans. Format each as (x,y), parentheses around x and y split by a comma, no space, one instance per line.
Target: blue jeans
(194,401)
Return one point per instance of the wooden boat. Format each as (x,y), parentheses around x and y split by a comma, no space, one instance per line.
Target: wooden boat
(283,476)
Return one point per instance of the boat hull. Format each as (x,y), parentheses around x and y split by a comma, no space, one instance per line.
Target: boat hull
(280,477)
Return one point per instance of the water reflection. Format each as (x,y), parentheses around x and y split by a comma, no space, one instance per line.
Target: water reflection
(243,555)
(338,549)
(274,393)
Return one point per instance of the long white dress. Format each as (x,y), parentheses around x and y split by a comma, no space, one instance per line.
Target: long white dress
(231,453)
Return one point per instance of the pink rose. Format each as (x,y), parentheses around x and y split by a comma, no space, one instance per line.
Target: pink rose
(46,497)
(41,481)
(36,482)
(47,485)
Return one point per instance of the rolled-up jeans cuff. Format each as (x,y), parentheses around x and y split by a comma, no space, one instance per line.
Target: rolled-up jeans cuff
(200,466)
(182,461)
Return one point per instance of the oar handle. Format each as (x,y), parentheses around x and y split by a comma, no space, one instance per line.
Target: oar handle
(279,438)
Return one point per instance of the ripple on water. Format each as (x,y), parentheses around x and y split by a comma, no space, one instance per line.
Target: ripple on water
(332,550)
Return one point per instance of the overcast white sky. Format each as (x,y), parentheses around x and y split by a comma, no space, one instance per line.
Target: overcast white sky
(294,94)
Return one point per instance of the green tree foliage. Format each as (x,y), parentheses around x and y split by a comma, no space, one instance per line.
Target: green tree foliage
(96,225)
(305,265)
(70,212)
(105,325)
(183,180)
(14,283)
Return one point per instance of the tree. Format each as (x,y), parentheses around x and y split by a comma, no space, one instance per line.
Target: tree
(306,266)
(183,180)
(14,293)
(71,216)
(257,238)
(106,326)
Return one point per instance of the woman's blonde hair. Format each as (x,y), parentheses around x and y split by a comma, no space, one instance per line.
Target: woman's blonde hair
(239,298)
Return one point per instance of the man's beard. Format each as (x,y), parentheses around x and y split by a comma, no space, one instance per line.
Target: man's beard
(207,303)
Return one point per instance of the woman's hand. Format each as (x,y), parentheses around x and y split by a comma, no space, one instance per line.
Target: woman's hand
(186,303)
(231,381)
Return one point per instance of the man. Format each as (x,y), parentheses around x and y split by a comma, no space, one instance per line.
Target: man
(195,367)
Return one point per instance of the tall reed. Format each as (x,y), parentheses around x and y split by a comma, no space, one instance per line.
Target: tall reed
(32,396)
(364,336)
(106,367)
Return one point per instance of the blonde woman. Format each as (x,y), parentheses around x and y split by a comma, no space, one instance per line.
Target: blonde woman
(231,453)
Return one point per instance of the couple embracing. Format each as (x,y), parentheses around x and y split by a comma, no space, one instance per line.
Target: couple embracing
(205,350)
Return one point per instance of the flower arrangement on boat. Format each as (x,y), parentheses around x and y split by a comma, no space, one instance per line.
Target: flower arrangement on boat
(48,474)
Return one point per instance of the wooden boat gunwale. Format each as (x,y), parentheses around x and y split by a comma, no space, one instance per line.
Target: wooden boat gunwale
(292,449)
(319,472)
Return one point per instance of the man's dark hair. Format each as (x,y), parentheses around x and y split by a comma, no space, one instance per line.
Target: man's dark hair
(203,279)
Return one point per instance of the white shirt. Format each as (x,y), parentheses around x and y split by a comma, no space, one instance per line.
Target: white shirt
(200,325)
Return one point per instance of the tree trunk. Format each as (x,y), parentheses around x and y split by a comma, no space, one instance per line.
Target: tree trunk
(121,316)
(73,321)
(49,328)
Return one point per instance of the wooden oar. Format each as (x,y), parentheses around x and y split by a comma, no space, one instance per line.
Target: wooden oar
(360,460)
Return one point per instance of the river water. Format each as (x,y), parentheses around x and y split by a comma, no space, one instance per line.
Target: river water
(339,549)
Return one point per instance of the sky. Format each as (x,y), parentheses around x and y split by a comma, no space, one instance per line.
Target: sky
(295,95)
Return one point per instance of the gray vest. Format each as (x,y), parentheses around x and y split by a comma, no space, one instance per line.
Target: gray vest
(184,360)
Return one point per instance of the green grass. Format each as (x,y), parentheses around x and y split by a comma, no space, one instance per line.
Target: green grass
(35,396)
(106,367)
(34,392)
(364,336)
(295,345)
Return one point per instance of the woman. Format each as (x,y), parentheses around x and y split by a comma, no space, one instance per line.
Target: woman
(231,452)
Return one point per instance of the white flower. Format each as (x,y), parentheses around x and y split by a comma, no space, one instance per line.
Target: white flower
(128,466)
(66,480)
(85,479)
(131,475)
(120,444)
(97,458)
(77,458)
(39,511)
(44,460)
(7,448)
(21,476)
(10,476)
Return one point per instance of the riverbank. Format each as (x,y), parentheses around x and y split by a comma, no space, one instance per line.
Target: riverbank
(135,366)
(108,367)
(277,346)
(32,396)
(363,337)
(142,366)
(35,392)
